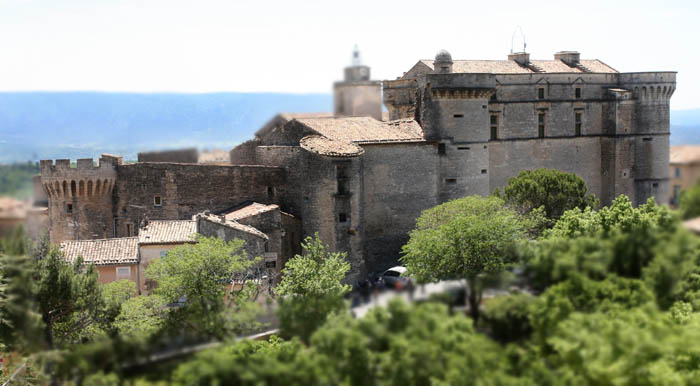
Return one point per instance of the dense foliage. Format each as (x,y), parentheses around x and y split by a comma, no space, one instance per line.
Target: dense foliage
(553,190)
(311,288)
(470,238)
(689,203)
(16,179)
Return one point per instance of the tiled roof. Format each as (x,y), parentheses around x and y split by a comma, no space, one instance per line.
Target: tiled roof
(253,209)
(365,129)
(214,156)
(512,67)
(124,250)
(685,154)
(692,225)
(168,232)
(321,145)
(12,209)
(233,225)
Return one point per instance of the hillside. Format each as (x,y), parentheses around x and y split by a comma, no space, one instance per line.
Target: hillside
(40,125)
(46,125)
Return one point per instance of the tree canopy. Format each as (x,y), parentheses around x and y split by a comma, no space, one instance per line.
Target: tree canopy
(551,189)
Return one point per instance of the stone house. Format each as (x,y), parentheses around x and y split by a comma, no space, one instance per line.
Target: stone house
(684,169)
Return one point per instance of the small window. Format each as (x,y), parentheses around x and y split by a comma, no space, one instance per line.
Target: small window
(123,272)
(655,185)
(493,96)
(266,247)
(677,172)
(540,125)
(157,201)
(540,93)
(463,148)
(494,119)
(163,253)
(578,92)
(494,133)
(69,208)
(646,139)
(129,230)
(270,192)
(342,217)
(458,115)
(441,148)
(450,180)
(270,264)
(483,171)
(578,123)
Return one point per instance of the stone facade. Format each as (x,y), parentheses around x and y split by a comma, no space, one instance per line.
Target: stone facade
(457,128)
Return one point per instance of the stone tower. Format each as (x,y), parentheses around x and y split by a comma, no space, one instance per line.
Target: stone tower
(357,95)
(80,198)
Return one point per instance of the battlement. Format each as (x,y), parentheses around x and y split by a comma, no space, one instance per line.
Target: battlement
(64,167)
(61,180)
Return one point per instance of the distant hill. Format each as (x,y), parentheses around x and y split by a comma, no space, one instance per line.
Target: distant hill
(49,125)
(45,125)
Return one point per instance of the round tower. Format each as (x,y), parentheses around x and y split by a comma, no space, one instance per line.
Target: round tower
(443,62)
(357,95)
(80,197)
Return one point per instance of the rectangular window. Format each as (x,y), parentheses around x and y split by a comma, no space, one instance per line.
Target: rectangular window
(129,230)
(450,180)
(647,139)
(342,179)
(463,148)
(342,217)
(578,123)
(458,115)
(270,264)
(540,125)
(677,172)
(270,192)
(494,126)
(494,96)
(69,208)
(123,272)
(483,171)
(578,92)
(540,93)
(157,201)
(441,148)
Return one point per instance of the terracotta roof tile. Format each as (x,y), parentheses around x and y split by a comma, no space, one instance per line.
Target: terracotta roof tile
(253,209)
(685,154)
(11,208)
(365,129)
(168,232)
(321,145)
(511,67)
(233,225)
(124,250)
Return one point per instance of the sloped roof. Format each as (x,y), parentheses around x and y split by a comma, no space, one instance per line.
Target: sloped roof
(512,67)
(233,225)
(685,154)
(12,209)
(123,250)
(168,232)
(250,210)
(365,129)
(282,118)
(321,145)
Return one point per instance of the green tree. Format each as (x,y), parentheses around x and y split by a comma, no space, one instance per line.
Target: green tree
(69,298)
(470,238)
(508,317)
(553,190)
(689,203)
(20,323)
(203,274)
(141,317)
(311,288)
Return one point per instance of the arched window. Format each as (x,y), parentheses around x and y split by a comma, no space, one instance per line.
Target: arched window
(97,187)
(72,188)
(89,188)
(81,188)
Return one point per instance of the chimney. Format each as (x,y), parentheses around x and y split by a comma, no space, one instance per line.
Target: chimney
(522,58)
(569,57)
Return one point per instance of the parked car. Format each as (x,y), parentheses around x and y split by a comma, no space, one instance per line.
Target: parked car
(393,279)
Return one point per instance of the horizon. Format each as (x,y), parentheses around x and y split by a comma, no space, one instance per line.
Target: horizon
(280,47)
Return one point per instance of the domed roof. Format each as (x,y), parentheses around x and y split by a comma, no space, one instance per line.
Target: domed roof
(443,57)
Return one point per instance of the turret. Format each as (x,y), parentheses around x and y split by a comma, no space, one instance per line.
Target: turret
(357,95)
(80,197)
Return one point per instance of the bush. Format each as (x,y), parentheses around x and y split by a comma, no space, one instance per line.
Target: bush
(508,317)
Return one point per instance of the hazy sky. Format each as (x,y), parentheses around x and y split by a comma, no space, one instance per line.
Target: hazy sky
(302,46)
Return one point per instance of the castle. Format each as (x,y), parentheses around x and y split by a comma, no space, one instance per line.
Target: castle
(455,128)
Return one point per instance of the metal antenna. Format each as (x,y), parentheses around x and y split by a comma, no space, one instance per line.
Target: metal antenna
(356,56)
(512,39)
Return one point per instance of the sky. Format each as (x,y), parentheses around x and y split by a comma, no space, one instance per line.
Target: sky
(302,46)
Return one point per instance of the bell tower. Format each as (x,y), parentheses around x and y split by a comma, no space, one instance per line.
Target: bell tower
(357,95)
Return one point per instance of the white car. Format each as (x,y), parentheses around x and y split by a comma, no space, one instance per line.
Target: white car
(393,279)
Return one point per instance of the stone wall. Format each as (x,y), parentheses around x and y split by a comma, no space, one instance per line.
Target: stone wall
(186,156)
(188,189)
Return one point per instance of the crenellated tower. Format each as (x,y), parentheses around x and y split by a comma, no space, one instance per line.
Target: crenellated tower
(80,197)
